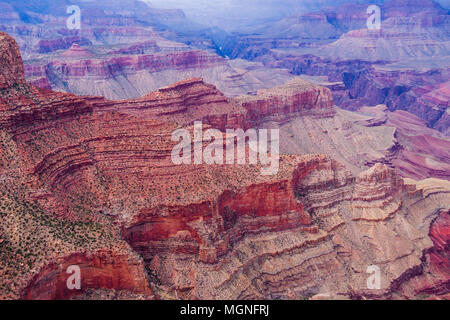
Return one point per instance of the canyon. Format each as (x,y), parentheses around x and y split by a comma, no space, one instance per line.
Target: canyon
(124,50)
(403,65)
(89,181)
(120,74)
(127,49)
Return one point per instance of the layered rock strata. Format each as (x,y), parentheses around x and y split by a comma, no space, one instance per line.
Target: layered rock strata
(91,182)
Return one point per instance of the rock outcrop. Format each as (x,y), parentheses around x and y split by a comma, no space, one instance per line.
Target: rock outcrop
(420,88)
(76,51)
(11,69)
(309,123)
(104,269)
(297,97)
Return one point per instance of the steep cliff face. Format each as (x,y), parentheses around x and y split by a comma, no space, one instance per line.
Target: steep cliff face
(12,70)
(105,269)
(424,94)
(425,152)
(210,225)
(90,182)
(377,203)
(63,43)
(421,88)
(309,123)
(106,69)
(349,231)
(433,282)
(297,97)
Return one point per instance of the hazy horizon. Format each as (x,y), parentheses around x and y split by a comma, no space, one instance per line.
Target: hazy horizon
(234,14)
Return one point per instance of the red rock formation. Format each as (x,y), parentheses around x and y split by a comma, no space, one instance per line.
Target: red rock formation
(47,46)
(22,104)
(309,123)
(75,51)
(102,270)
(433,281)
(358,83)
(425,152)
(151,63)
(439,258)
(184,102)
(228,217)
(11,69)
(296,97)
